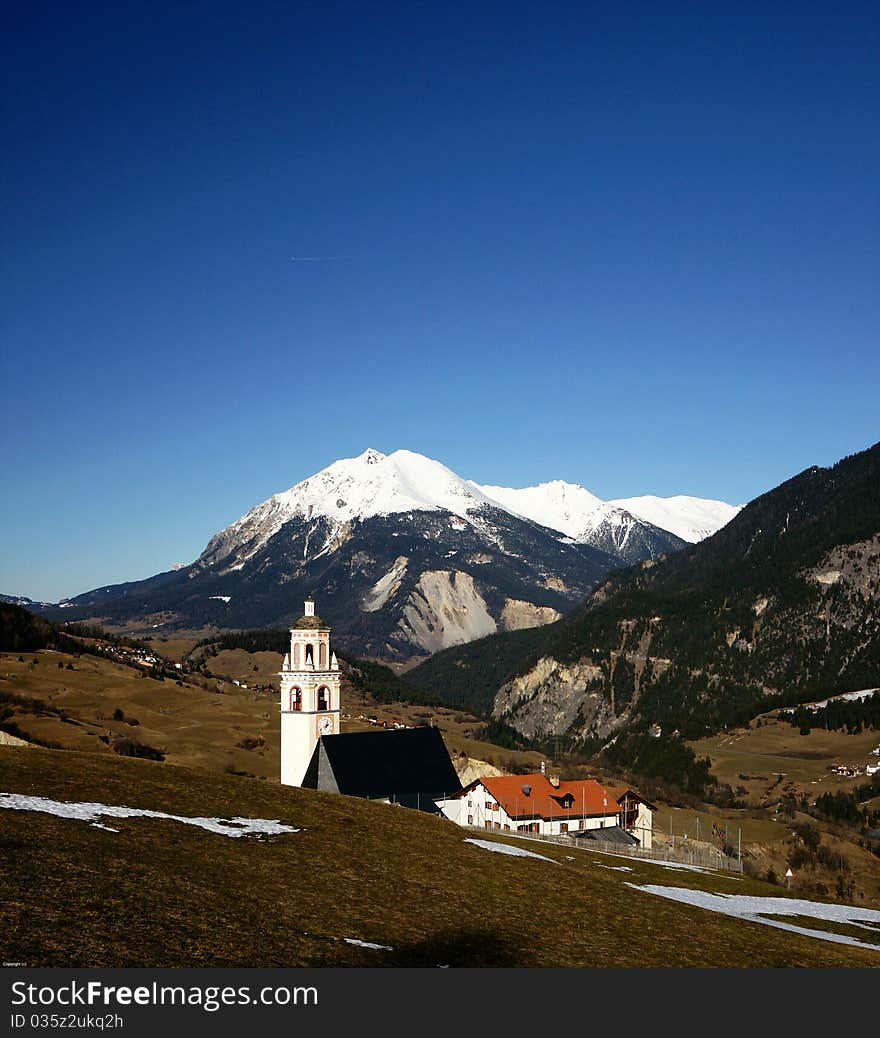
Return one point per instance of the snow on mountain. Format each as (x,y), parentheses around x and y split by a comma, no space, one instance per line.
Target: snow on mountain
(574,511)
(691,518)
(379,484)
(353,488)
(566,507)
(375,484)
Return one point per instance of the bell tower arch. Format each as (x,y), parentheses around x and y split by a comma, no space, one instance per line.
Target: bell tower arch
(310,694)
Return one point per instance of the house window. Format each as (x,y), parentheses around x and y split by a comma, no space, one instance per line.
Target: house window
(322,656)
(563,827)
(323,698)
(296,699)
(470,819)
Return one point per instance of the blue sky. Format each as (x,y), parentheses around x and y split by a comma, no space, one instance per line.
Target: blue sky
(629,245)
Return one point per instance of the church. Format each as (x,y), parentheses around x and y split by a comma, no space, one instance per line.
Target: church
(407,766)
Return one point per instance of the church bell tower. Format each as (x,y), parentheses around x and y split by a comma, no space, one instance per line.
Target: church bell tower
(309,694)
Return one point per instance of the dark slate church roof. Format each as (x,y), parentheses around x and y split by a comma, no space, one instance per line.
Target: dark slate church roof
(410,766)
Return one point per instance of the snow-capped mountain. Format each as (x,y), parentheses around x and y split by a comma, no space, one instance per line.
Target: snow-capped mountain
(691,518)
(403,555)
(359,488)
(574,511)
(375,484)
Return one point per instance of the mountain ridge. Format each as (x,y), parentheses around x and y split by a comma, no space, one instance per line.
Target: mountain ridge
(407,557)
(374,484)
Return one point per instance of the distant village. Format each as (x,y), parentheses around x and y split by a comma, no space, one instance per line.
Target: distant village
(133,656)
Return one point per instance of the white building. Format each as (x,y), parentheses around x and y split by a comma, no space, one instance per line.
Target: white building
(309,694)
(538,804)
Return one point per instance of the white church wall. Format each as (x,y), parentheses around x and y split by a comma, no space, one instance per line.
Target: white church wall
(302,727)
(297,747)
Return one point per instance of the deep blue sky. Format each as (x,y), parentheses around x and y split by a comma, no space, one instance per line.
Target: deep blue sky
(629,245)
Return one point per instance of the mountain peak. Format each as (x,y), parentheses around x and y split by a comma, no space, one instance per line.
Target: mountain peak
(371,456)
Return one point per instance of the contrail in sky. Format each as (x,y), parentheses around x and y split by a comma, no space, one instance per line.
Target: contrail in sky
(303,259)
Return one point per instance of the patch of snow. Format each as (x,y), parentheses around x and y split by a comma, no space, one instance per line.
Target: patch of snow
(92,812)
(756,909)
(676,865)
(506,848)
(367,944)
(613,868)
(222,598)
(845,696)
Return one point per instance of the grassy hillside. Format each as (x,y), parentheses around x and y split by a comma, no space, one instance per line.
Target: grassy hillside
(203,721)
(156,892)
(92,703)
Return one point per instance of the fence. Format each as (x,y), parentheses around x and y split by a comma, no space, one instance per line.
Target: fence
(681,850)
(698,856)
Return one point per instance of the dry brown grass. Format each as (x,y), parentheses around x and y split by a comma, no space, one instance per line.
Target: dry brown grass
(763,751)
(158,893)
